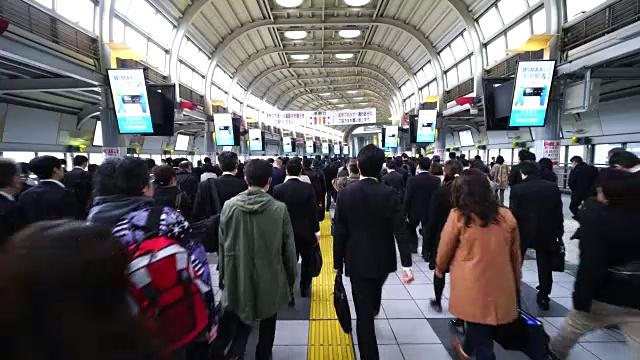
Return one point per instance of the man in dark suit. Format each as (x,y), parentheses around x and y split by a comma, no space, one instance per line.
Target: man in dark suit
(523,155)
(394,179)
(300,199)
(318,181)
(582,180)
(368,216)
(228,184)
(420,190)
(537,206)
(11,219)
(187,180)
(50,199)
(78,180)
(277,175)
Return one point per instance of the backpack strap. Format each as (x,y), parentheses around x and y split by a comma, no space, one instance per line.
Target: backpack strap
(152,225)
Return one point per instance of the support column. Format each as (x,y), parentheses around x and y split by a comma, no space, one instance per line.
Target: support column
(547,143)
(209,144)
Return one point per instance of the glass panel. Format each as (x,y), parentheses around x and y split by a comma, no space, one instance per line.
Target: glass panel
(254,101)
(404,89)
(563,153)
(511,9)
(162,30)
(447,57)
(185,74)
(235,106)
(533,2)
(428,71)
(424,93)
(118,31)
(198,83)
(579,7)
(464,70)
(422,79)
(81,12)
(221,78)
(467,39)
(507,154)
(238,92)
(493,153)
(517,36)
(490,23)
(539,22)
(59,155)
(601,155)
(576,150)
(141,14)
(433,88)
(19,156)
(634,148)
(136,41)
(96,158)
(202,62)
(122,6)
(157,158)
(495,50)
(459,48)
(452,78)
(157,57)
(218,94)
(189,52)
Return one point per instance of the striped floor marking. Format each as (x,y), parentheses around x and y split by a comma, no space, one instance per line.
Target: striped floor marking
(327,341)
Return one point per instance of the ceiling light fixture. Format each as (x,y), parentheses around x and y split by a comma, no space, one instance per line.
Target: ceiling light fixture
(300,56)
(352,92)
(349,34)
(344,56)
(356,2)
(362,104)
(290,3)
(296,34)
(333,100)
(358,98)
(325,94)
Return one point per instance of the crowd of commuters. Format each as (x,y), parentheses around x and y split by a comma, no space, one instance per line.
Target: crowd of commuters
(70,240)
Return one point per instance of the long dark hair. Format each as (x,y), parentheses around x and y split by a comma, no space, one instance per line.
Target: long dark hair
(451,169)
(64,288)
(471,195)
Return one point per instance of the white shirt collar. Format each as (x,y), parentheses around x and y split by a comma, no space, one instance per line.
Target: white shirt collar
(79,167)
(422,171)
(227,173)
(635,169)
(54,181)
(367,177)
(391,170)
(8,196)
(287,178)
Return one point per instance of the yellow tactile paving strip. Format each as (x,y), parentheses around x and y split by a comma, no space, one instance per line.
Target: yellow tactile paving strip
(327,341)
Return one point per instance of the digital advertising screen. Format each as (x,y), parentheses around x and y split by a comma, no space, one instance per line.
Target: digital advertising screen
(286,145)
(426,130)
(255,140)
(466,138)
(391,137)
(345,150)
(182,143)
(531,93)
(129,93)
(325,148)
(224,129)
(310,148)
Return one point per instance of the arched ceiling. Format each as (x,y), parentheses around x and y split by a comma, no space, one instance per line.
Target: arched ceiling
(246,38)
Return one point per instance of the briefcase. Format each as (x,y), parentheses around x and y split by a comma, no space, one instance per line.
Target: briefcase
(525,334)
(341,304)
(558,256)
(316,261)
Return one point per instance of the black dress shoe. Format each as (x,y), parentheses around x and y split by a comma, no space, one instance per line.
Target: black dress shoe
(436,305)
(544,304)
(305,292)
(458,325)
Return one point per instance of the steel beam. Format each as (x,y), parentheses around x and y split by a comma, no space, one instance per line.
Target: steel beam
(461,8)
(47,60)
(44,84)
(374,86)
(87,113)
(351,87)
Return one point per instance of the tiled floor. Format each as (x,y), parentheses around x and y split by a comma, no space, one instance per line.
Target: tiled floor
(407,328)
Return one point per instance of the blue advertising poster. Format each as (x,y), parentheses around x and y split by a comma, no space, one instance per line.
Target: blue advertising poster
(391,137)
(325,148)
(345,150)
(531,94)
(286,145)
(309,147)
(129,92)
(224,130)
(426,131)
(255,140)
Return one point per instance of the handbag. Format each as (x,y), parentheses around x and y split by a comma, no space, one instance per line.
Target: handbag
(626,275)
(341,304)
(557,256)
(316,261)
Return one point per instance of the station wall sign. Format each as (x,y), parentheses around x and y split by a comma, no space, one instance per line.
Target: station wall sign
(317,118)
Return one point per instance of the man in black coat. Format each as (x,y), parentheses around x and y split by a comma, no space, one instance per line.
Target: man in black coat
(537,206)
(187,181)
(582,180)
(78,180)
(318,181)
(368,216)
(11,218)
(523,155)
(394,180)
(300,199)
(50,199)
(228,184)
(420,190)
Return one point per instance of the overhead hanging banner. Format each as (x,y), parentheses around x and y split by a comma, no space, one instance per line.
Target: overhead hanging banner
(317,118)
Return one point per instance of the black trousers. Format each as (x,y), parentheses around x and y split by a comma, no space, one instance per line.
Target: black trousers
(478,341)
(412,225)
(367,298)
(305,270)
(574,205)
(331,193)
(233,331)
(545,275)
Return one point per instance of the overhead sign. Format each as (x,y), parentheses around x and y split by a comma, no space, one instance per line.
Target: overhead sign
(224,129)
(426,131)
(286,145)
(129,93)
(310,147)
(255,140)
(317,118)
(531,93)
(391,137)
(111,152)
(551,150)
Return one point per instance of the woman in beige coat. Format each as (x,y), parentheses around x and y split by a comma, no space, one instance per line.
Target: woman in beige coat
(480,246)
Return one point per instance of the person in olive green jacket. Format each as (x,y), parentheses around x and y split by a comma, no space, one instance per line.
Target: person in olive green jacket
(257,259)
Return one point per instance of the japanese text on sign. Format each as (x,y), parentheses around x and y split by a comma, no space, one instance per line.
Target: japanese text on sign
(111,152)
(551,150)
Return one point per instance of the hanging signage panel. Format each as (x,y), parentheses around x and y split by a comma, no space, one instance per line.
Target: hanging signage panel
(286,118)
(360,116)
(320,118)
